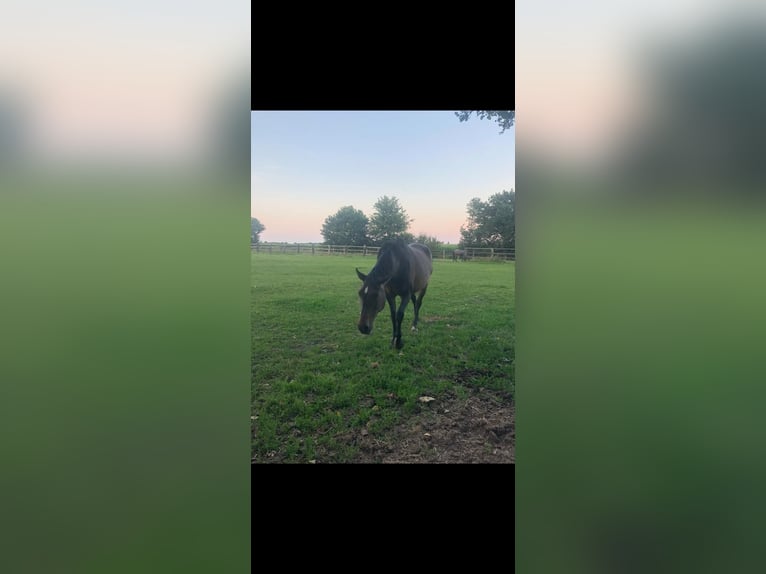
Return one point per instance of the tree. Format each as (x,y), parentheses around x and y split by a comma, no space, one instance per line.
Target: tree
(503,118)
(348,226)
(389,220)
(706,126)
(230,136)
(14,129)
(433,243)
(491,223)
(256,228)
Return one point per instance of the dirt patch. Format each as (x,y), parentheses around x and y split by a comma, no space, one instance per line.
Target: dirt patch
(467,375)
(476,428)
(466,424)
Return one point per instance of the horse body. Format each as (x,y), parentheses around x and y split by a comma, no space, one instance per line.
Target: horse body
(459,254)
(401,271)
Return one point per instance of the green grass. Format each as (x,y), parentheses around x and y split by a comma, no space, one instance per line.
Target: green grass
(316,380)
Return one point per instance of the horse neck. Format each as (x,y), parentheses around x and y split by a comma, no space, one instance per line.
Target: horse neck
(387,265)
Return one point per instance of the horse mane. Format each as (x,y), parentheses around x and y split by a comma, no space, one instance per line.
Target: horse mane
(391,249)
(396,246)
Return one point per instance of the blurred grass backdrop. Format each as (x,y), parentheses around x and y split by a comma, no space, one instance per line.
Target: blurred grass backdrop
(124,298)
(641,316)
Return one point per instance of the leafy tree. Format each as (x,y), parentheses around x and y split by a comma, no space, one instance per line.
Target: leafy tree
(256,228)
(433,243)
(14,128)
(503,118)
(491,223)
(229,134)
(348,226)
(706,127)
(389,220)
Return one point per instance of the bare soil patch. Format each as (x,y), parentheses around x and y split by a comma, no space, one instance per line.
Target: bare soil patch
(476,428)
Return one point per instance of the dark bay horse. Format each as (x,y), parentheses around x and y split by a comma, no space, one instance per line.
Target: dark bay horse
(401,270)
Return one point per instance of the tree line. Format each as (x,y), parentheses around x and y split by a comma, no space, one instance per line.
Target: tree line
(489,223)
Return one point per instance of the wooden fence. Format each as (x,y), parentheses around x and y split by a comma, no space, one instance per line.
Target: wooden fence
(472,253)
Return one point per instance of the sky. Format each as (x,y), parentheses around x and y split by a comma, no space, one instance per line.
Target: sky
(307,165)
(133,78)
(581,79)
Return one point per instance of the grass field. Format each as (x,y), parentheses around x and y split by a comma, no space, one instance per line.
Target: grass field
(318,384)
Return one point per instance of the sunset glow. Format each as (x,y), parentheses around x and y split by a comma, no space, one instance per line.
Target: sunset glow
(307,165)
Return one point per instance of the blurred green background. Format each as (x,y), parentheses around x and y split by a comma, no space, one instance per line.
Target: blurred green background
(640,386)
(641,227)
(124,288)
(125,359)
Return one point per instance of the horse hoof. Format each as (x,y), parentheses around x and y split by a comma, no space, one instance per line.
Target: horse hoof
(399,344)
(414,329)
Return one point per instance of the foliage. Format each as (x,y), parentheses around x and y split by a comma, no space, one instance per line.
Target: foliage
(491,223)
(709,126)
(503,118)
(388,221)
(256,228)
(230,136)
(433,243)
(348,226)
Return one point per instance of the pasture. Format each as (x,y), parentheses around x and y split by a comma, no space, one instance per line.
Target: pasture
(323,392)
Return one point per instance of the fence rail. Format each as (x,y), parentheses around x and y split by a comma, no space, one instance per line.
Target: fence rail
(471,253)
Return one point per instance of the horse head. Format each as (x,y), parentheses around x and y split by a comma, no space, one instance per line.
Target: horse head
(372,297)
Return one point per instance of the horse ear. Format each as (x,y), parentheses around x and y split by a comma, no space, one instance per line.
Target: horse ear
(361,275)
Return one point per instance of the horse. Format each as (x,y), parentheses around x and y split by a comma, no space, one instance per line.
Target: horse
(401,270)
(459,254)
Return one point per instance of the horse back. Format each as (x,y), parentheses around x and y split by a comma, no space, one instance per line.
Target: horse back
(421,266)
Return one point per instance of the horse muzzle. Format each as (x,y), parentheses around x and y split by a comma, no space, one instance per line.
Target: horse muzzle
(364,329)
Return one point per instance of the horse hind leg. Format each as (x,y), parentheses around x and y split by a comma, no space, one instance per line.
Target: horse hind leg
(415,306)
(417,303)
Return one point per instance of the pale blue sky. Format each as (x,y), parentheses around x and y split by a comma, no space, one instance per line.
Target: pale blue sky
(122,78)
(307,165)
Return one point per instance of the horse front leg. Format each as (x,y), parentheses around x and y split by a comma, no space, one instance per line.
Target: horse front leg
(399,319)
(392,305)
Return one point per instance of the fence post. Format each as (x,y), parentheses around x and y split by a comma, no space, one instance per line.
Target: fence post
(312,249)
(364,253)
(491,252)
(444,254)
(344,250)
(299,248)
